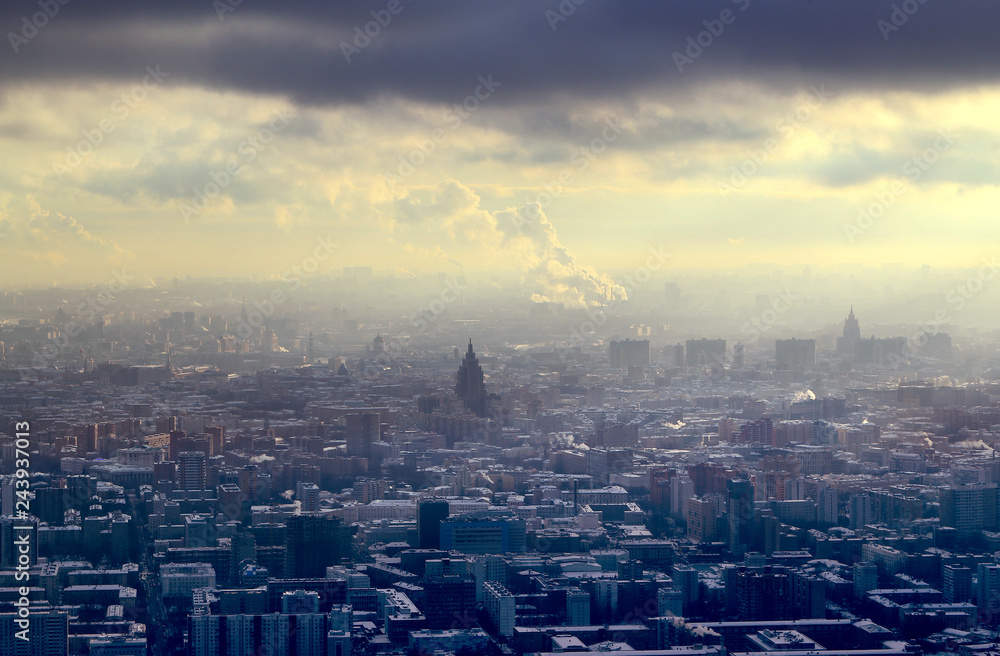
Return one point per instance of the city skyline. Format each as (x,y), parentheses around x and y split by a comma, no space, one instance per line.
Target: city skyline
(500,328)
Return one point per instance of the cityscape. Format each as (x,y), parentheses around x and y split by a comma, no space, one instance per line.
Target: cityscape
(499,329)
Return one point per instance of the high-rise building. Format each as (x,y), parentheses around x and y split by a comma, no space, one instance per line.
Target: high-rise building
(500,606)
(848,342)
(243,551)
(685,580)
(669,602)
(988,589)
(577,608)
(705,352)
(191,474)
(17,534)
(248,481)
(759,431)
(470,385)
(628,353)
(860,511)
(313,542)
(308,496)
(488,567)
(808,595)
(275,634)
(763,593)
(448,599)
(957,584)
(89,442)
(739,515)
(969,508)
(363,430)
(865,578)
(50,504)
(794,354)
(430,514)
(230,501)
(48,634)
(702,522)
(217,438)
(681,491)
(173,444)
(827,502)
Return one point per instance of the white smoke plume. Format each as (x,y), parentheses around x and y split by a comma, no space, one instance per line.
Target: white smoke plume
(549,265)
(807,395)
(524,235)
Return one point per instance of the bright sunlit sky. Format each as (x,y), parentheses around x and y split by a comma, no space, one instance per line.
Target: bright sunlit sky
(839,112)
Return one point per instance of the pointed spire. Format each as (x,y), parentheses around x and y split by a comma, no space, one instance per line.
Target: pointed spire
(471,352)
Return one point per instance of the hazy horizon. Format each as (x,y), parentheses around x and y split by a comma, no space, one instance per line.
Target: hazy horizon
(194,140)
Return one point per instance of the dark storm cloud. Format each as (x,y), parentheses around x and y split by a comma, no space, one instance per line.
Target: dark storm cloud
(434,50)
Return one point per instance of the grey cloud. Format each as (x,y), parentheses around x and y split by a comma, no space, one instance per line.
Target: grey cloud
(434,50)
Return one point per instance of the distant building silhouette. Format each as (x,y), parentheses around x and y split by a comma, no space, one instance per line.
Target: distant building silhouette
(313,542)
(701,352)
(363,429)
(629,352)
(872,350)
(430,514)
(794,354)
(469,384)
(739,515)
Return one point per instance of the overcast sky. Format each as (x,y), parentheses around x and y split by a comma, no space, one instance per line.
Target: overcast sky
(565,139)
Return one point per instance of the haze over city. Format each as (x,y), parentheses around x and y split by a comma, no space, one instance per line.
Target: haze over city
(436,328)
(414,151)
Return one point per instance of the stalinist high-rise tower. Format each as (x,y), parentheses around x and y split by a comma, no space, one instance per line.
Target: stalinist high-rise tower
(848,343)
(469,384)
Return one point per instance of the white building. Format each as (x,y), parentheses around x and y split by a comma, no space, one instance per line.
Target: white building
(180,579)
(500,605)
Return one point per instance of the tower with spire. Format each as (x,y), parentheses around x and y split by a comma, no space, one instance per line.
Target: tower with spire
(851,328)
(470,385)
(847,344)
